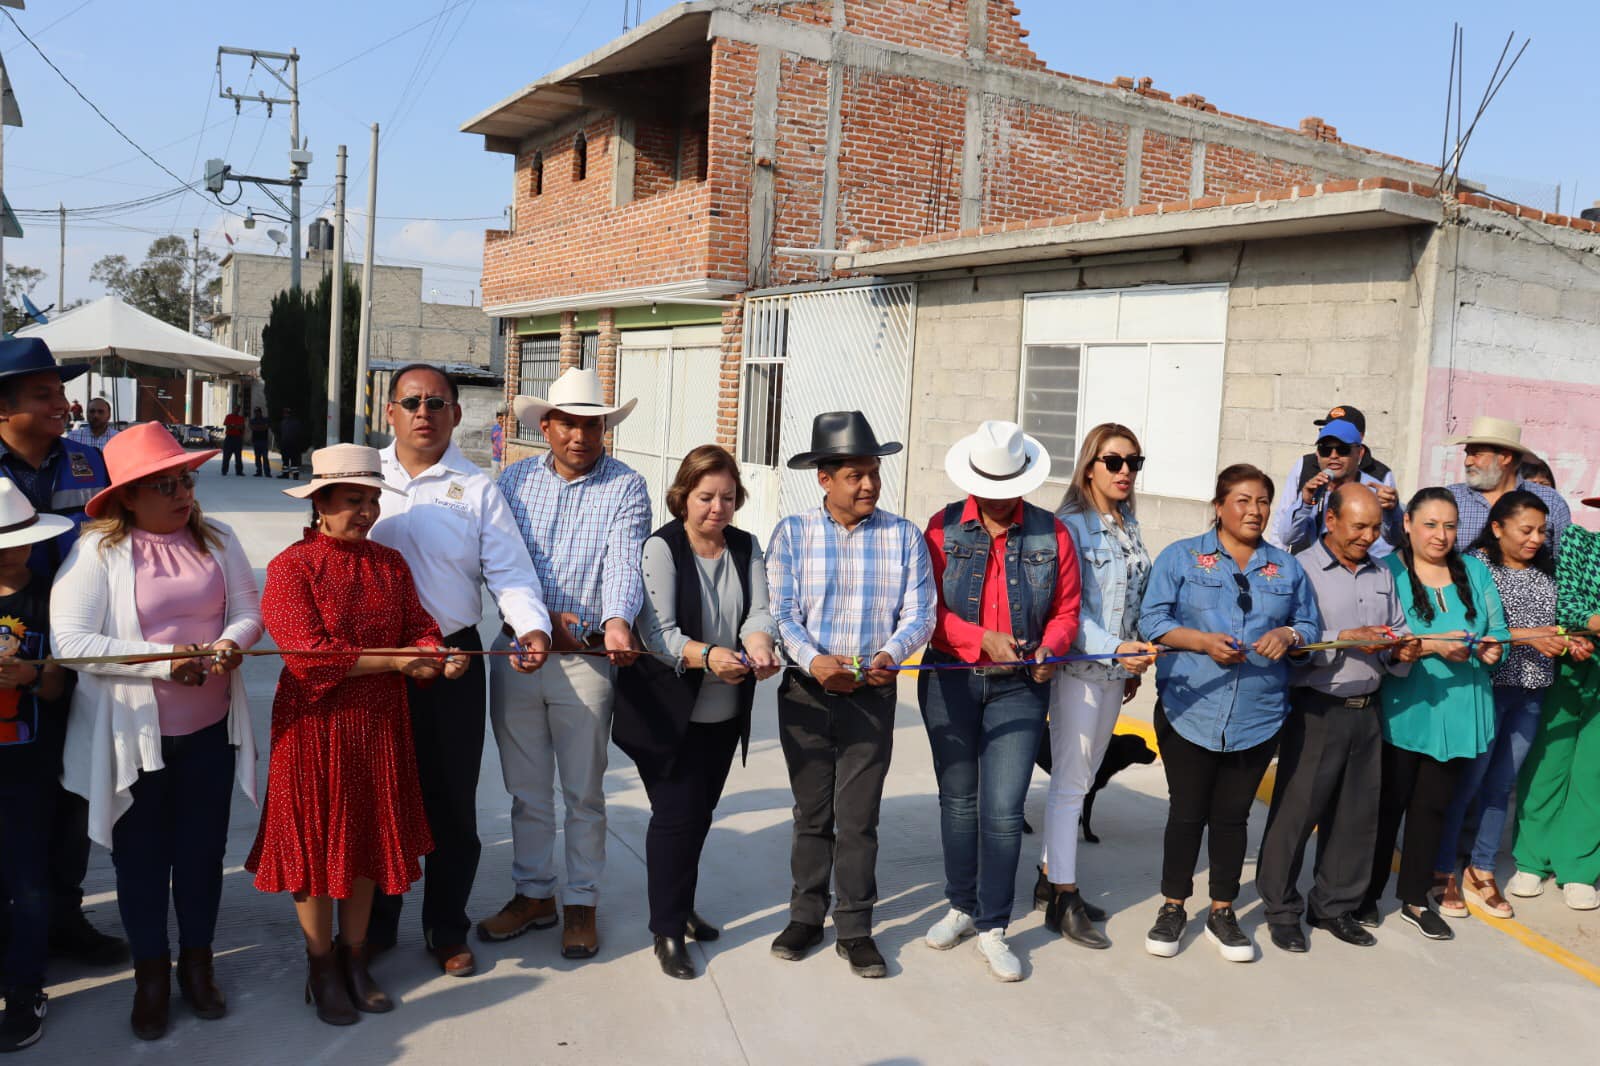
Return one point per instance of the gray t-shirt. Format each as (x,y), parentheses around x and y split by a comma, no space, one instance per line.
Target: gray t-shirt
(721,602)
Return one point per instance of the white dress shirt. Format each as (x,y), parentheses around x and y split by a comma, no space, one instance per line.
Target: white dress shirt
(457,534)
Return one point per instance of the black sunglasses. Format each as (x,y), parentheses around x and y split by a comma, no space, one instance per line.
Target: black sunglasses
(435,403)
(1244,601)
(168,486)
(1332,448)
(1114,463)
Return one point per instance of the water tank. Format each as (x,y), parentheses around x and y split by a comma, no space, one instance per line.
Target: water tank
(1592,214)
(320,236)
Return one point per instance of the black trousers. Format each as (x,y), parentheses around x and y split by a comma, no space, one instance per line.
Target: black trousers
(837,749)
(682,803)
(1210,793)
(261,450)
(1418,789)
(1330,760)
(447,724)
(233,447)
(69,855)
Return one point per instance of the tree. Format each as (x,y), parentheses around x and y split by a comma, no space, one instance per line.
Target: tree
(159,286)
(20,281)
(294,355)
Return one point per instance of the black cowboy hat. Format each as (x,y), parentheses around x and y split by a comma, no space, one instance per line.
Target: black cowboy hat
(841,435)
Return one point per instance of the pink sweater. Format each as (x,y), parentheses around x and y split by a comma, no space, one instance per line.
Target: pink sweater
(179,593)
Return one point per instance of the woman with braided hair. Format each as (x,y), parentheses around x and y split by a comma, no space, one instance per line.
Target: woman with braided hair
(1440,716)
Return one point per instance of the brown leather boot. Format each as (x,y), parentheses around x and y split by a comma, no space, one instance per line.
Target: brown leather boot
(325,986)
(364,991)
(579,937)
(152,997)
(197,984)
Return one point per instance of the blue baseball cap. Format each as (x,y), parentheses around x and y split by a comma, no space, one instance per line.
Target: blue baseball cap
(1341,430)
(30,355)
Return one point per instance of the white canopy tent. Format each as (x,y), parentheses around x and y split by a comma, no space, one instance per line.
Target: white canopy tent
(107,327)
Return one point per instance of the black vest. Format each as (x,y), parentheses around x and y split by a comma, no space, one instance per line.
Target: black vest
(1310,469)
(653,700)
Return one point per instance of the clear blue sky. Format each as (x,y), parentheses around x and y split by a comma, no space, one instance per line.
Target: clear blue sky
(1377,71)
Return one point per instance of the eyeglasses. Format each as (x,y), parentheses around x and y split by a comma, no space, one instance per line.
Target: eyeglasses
(435,403)
(168,486)
(1244,601)
(1113,463)
(1329,450)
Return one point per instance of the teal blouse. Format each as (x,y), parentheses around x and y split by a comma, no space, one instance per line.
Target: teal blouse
(1442,709)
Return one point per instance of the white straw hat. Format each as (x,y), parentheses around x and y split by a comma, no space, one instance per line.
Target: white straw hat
(998,462)
(1495,432)
(349,464)
(20,524)
(576,392)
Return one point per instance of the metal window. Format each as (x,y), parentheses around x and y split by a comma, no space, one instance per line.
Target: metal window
(766,345)
(1050,375)
(541,362)
(589,352)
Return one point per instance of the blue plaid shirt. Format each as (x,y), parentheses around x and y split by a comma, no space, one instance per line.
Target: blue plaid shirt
(586,536)
(850,592)
(1474,515)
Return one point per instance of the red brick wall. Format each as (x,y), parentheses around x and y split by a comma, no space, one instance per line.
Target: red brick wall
(1230,169)
(728,382)
(1006,37)
(733,80)
(1164,165)
(655,158)
(1044,163)
(801,163)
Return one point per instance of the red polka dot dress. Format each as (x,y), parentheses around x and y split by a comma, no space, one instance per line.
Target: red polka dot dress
(342,796)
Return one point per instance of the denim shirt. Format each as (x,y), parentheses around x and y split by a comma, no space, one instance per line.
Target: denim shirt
(1030,564)
(1195,585)
(1104,606)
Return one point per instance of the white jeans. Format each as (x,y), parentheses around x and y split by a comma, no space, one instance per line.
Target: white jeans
(557,719)
(1083,715)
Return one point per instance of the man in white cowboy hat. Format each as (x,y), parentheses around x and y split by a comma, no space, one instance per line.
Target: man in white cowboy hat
(1007,578)
(584,517)
(33,724)
(457,534)
(853,596)
(1494,451)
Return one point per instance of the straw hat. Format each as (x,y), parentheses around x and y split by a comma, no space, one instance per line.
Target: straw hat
(138,452)
(1495,432)
(998,462)
(348,464)
(576,392)
(20,524)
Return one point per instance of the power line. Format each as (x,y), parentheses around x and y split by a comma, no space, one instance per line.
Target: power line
(387,40)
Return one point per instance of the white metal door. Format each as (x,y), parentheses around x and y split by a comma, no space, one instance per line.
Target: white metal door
(675,376)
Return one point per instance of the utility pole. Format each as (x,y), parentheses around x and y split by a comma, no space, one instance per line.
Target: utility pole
(61,266)
(363,414)
(336,316)
(299,158)
(194,299)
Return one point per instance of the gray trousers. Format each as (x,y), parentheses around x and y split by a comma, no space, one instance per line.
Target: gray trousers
(838,750)
(1329,771)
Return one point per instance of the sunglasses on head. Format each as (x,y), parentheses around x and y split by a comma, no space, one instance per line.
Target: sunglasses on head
(1328,449)
(168,486)
(435,403)
(1113,463)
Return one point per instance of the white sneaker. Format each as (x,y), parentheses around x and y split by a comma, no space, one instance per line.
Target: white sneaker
(992,946)
(1525,885)
(1580,897)
(950,930)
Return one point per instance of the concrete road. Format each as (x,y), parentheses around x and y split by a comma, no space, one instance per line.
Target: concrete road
(529,1006)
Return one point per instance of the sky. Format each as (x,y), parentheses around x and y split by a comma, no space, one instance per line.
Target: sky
(1376,71)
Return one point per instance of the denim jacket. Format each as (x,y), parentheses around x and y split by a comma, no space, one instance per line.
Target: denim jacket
(1195,584)
(1031,566)
(1104,591)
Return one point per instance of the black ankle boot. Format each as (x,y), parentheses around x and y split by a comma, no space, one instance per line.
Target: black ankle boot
(673,955)
(1068,916)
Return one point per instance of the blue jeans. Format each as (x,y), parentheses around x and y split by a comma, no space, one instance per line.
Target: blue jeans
(170,843)
(1489,779)
(27,809)
(984,731)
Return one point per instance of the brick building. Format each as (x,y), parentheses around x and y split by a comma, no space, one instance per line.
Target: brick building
(731,147)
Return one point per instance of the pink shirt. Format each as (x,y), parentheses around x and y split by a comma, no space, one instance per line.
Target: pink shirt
(181,598)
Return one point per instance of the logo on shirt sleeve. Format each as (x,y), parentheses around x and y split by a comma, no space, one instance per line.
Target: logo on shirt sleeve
(80,466)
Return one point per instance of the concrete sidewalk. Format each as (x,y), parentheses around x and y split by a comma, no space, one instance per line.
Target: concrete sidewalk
(528,1005)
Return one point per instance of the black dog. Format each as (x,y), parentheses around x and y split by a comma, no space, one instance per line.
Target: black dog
(1124,750)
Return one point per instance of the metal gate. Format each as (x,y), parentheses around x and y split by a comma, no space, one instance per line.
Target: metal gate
(809,352)
(675,374)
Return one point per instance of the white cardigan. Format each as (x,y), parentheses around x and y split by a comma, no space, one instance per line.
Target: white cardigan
(114,729)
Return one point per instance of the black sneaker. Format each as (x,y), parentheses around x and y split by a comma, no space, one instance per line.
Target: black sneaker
(24,1020)
(1222,929)
(795,940)
(74,938)
(863,956)
(1367,914)
(1428,923)
(1164,937)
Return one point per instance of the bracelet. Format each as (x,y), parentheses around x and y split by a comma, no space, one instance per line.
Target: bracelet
(705,657)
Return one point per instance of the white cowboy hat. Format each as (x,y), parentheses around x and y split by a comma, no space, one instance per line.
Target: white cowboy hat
(576,392)
(20,524)
(348,464)
(1495,432)
(998,462)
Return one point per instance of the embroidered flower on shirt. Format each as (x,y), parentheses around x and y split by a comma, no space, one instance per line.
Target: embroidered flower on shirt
(1269,571)
(1206,562)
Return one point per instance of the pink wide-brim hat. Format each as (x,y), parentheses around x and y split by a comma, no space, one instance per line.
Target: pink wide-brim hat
(138,452)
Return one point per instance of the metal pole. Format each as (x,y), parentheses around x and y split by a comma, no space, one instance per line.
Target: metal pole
(295,176)
(363,344)
(194,297)
(336,315)
(61,267)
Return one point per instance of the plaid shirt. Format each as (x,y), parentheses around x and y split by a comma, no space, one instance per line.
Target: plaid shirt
(586,536)
(850,592)
(1474,515)
(84,435)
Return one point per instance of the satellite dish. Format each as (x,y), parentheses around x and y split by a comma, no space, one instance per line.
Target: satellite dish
(277,237)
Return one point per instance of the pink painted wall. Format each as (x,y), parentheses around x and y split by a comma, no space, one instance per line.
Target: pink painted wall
(1560,422)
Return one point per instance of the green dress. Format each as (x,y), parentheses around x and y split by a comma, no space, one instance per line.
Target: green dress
(1558,797)
(1442,709)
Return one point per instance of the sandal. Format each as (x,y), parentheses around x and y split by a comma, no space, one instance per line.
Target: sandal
(1446,896)
(1484,893)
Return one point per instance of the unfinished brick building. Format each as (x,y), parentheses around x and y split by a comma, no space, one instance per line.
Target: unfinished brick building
(728,146)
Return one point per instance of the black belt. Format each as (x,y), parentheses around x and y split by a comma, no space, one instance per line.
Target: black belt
(1354,703)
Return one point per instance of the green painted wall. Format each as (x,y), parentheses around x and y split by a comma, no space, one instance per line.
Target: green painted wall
(662,316)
